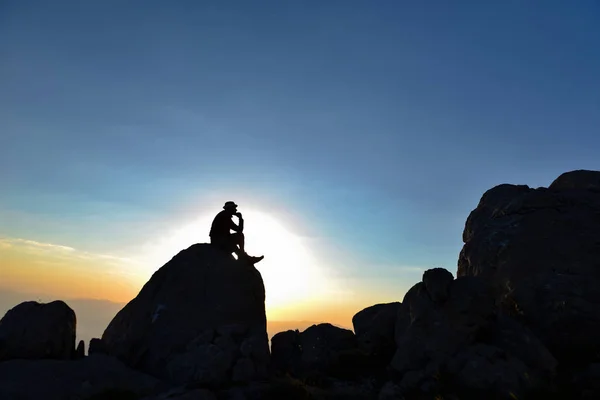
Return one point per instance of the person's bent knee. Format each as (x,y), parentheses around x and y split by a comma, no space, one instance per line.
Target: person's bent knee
(237,237)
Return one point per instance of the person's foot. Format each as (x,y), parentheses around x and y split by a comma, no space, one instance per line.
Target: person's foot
(254,260)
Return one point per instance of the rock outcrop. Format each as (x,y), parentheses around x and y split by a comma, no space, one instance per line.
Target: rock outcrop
(520,321)
(80,350)
(94,377)
(540,249)
(375,330)
(319,352)
(96,346)
(455,343)
(199,319)
(33,330)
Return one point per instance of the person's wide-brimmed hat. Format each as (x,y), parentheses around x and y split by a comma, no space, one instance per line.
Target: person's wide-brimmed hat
(229,204)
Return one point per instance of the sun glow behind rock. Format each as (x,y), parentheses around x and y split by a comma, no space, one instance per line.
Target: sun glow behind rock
(289,270)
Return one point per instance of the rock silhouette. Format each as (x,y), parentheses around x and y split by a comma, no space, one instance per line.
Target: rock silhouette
(91,377)
(461,345)
(320,350)
(540,248)
(375,327)
(199,319)
(80,350)
(96,347)
(33,330)
(519,322)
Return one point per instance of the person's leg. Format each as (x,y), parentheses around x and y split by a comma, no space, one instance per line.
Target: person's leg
(218,242)
(223,244)
(238,239)
(238,242)
(241,241)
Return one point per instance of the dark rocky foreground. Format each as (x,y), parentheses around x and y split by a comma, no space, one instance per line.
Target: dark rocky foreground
(520,321)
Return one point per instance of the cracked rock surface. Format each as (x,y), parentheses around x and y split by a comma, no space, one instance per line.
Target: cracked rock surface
(540,248)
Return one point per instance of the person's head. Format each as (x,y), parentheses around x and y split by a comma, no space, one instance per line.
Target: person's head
(230,207)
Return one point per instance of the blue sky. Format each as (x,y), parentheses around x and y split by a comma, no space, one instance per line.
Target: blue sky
(376,125)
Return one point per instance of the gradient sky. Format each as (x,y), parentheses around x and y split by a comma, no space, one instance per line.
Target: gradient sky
(368,129)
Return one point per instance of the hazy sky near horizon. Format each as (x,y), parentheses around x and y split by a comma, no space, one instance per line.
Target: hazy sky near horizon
(364,132)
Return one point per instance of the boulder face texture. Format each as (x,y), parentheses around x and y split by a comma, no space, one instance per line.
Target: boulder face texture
(437,282)
(321,342)
(33,330)
(540,250)
(286,351)
(97,376)
(199,319)
(375,328)
(457,344)
(320,350)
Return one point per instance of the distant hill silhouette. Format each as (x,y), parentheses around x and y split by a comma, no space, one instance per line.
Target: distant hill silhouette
(274,327)
(93,315)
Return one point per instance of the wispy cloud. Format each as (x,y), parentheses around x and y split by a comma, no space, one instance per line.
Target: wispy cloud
(10,242)
(408,268)
(58,250)
(67,271)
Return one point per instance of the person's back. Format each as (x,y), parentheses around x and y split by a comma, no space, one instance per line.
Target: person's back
(221,225)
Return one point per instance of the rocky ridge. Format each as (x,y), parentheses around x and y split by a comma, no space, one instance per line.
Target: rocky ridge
(519,321)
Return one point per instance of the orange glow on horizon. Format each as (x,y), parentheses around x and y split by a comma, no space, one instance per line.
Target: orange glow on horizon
(65,273)
(31,267)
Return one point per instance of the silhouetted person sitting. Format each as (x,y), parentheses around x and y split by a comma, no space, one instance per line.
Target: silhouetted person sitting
(221,236)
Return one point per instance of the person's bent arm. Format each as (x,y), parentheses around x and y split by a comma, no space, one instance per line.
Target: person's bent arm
(241,224)
(234,227)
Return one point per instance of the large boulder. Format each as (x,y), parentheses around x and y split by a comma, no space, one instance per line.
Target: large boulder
(286,351)
(322,344)
(199,319)
(437,331)
(375,328)
(93,377)
(454,342)
(33,330)
(578,180)
(540,249)
(437,283)
(320,351)
(96,346)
